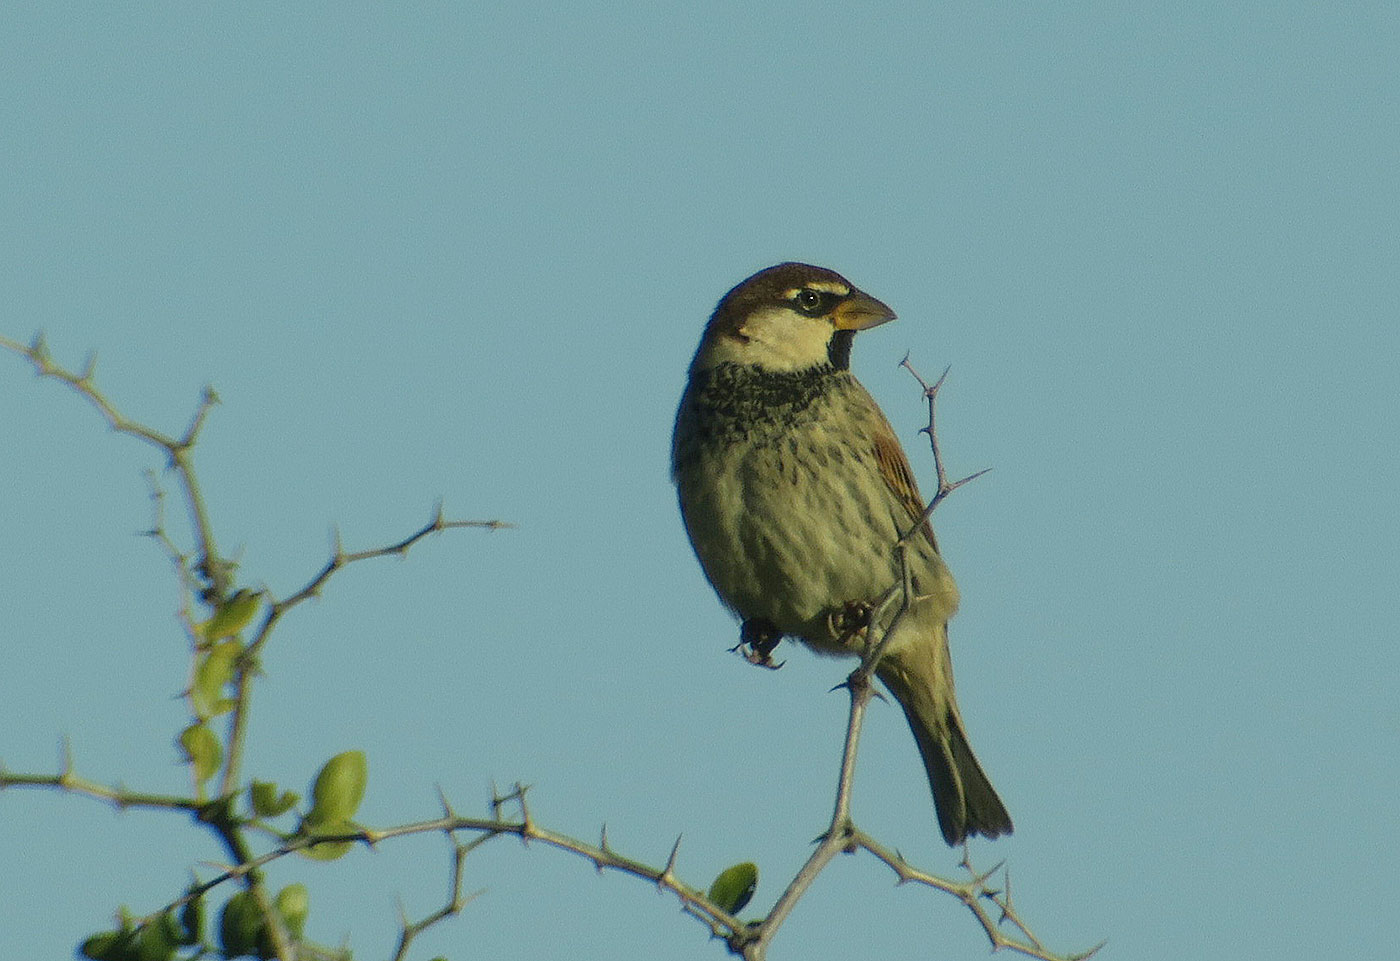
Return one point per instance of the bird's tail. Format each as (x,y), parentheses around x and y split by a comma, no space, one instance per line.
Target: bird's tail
(921,679)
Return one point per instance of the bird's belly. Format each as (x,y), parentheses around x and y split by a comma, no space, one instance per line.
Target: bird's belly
(793,531)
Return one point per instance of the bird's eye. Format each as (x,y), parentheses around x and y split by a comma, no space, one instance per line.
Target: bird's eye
(809,301)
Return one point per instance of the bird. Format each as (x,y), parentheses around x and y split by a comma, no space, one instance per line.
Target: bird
(794,490)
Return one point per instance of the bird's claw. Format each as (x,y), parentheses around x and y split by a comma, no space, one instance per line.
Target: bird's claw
(757,640)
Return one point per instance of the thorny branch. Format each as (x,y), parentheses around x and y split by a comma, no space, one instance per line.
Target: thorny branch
(842,835)
(945,487)
(247,668)
(991,906)
(210,576)
(178,450)
(456,900)
(746,939)
(119,797)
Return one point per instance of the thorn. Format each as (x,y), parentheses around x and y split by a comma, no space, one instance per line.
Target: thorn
(981,879)
(439,521)
(939,382)
(89,369)
(603,839)
(670,867)
(527,825)
(1006,901)
(447,811)
(966,480)
(224,867)
(497,801)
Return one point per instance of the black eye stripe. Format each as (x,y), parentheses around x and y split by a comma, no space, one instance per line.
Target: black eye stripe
(815,303)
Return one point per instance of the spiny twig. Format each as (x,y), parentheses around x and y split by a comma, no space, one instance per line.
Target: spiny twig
(247,665)
(945,486)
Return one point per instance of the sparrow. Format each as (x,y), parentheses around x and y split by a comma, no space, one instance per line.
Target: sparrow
(794,491)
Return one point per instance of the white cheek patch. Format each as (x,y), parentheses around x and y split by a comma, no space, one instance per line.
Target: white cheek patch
(782,339)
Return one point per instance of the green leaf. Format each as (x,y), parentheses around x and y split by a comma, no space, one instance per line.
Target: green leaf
(339,789)
(109,946)
(735,886)
(294,902)
(233,615)
(155,942)
(267,803)
(240,923)
(192,921)
(328,850)
(213,674)
(202,751)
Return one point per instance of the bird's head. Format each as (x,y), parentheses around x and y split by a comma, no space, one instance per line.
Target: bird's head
(789,318)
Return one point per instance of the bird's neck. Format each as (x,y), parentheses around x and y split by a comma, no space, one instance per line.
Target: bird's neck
(746,392)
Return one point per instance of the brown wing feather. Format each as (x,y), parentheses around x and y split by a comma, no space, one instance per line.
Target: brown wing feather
(894,468)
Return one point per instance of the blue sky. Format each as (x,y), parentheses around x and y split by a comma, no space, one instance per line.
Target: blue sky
(440,251)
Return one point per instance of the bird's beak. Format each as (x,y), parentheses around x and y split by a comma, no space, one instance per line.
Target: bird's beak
(860,311)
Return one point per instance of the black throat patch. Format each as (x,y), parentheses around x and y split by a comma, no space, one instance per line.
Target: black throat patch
(838,349)
(737,398)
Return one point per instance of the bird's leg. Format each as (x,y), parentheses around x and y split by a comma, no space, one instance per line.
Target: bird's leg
(758,638)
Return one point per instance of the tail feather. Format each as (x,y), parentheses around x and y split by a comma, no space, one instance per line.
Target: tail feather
(963,795)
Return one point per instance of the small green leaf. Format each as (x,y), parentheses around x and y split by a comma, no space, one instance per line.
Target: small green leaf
(328,850)
(109,946)
(213,674)
(233,615)
(239,925)
(202,751)
(99,946)
(339,789)
(192,921)
(268,804)
(294,902)
(735,886)
(155,942)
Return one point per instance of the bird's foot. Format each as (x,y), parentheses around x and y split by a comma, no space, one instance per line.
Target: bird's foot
(849,621)
(757,640)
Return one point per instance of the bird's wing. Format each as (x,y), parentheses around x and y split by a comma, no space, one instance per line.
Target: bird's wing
(894,469)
